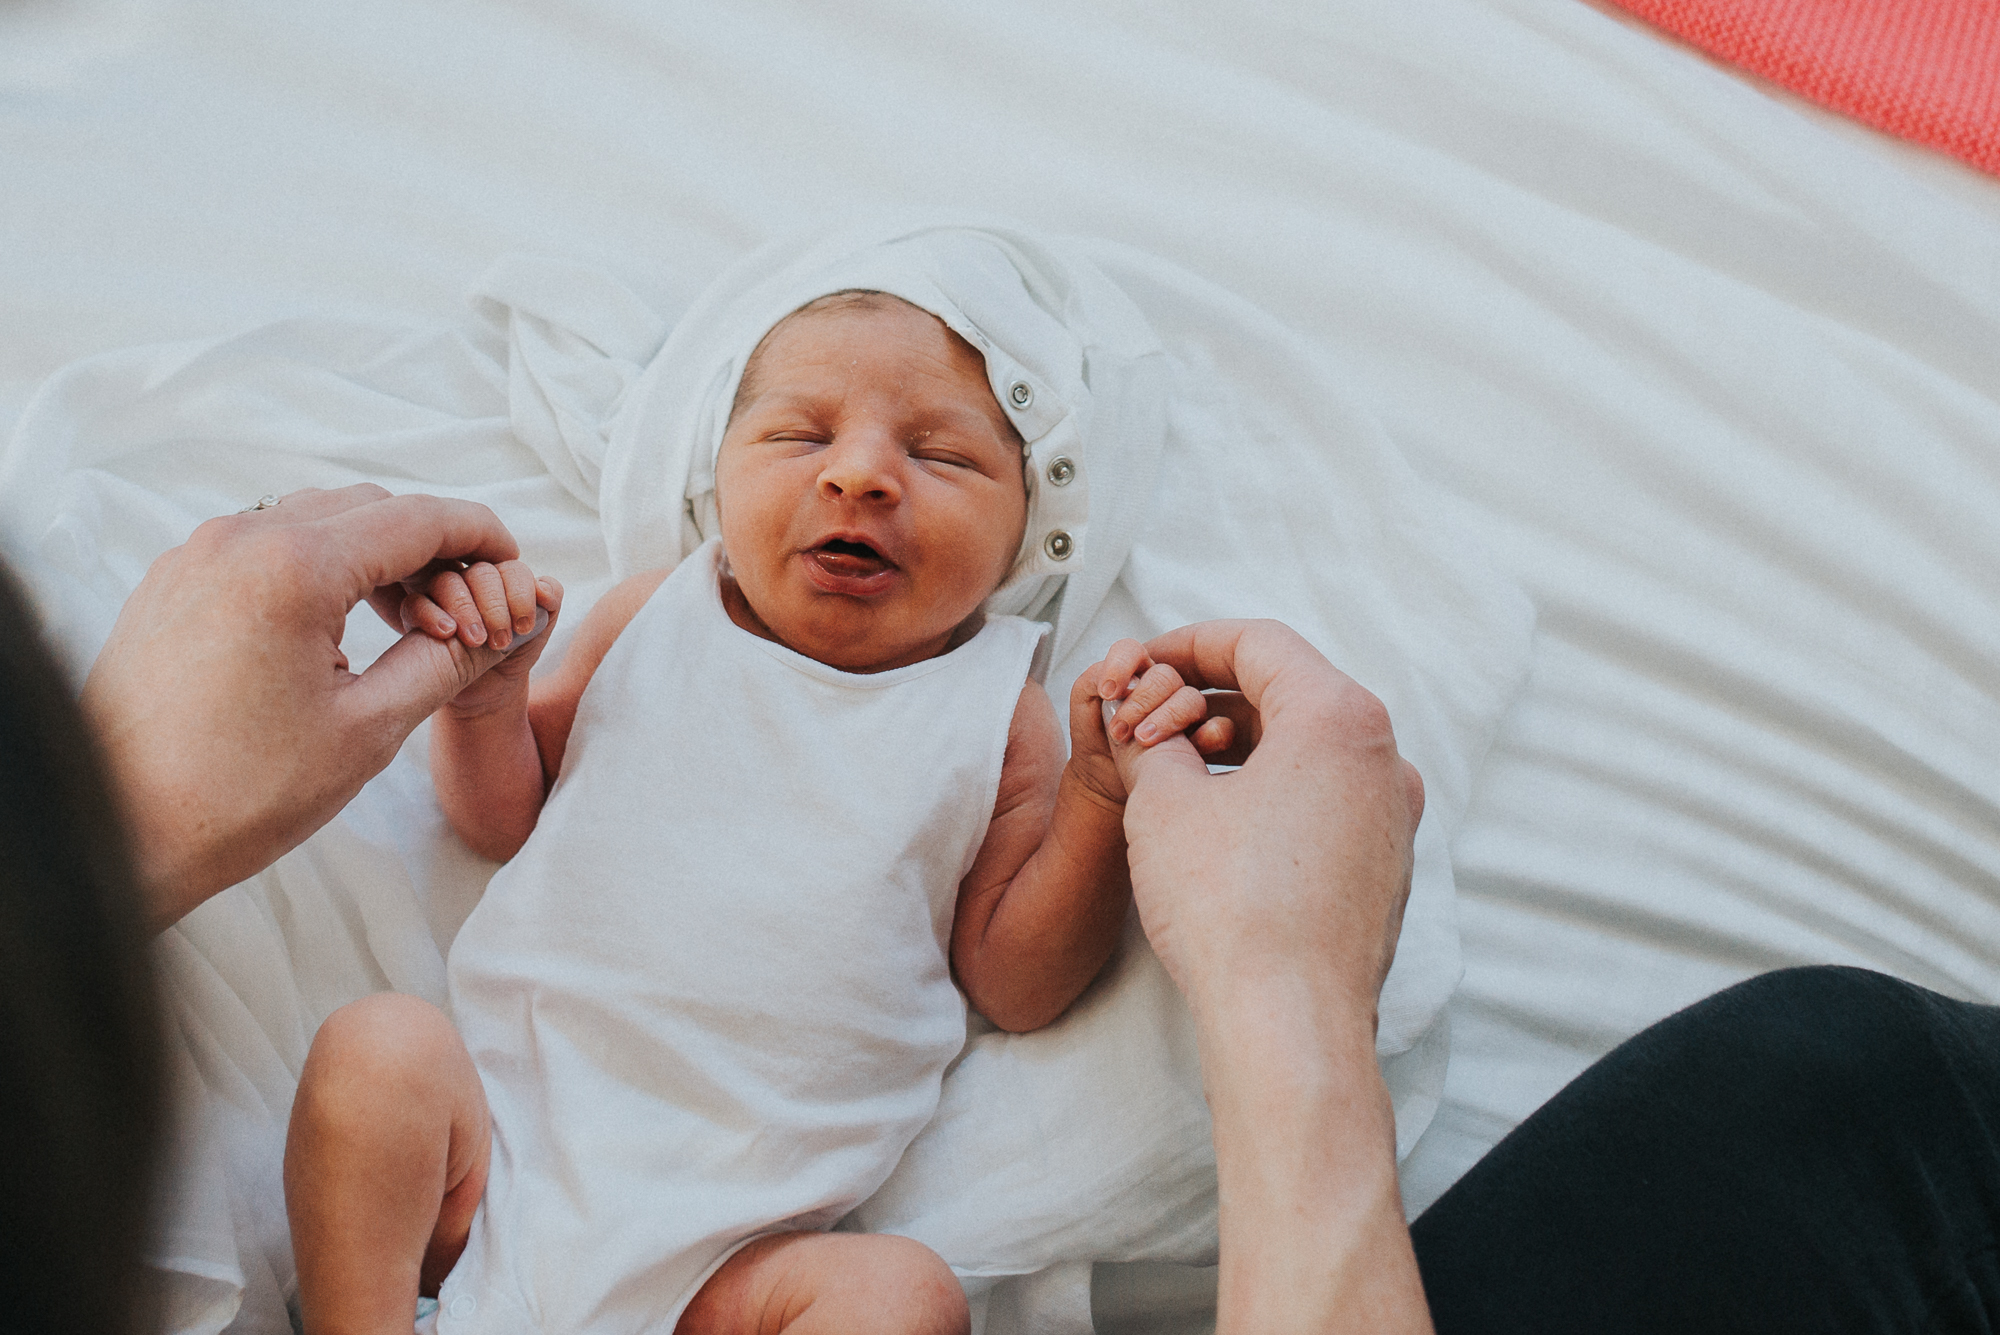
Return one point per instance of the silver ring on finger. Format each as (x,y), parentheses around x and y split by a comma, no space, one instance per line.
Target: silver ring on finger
(264,502)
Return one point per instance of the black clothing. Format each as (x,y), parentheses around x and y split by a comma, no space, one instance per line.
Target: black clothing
(1813,1150)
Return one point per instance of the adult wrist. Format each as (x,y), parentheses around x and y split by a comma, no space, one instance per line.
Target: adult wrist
(1277,990)
(1311,1215)
(1299,1030)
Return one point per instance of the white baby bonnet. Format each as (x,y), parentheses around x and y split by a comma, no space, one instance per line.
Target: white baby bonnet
(1069,358)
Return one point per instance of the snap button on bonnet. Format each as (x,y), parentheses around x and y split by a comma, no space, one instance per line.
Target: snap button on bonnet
(463,1306)
(1058,545)
(1061,470)
(1020,394)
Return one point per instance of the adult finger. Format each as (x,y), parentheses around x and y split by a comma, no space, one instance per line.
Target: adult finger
(1215,738)
(1212,654)
(1163,770)
(1247,725)
(386,541)
(1273,666)
(420,613)
(412,680)
(310,503)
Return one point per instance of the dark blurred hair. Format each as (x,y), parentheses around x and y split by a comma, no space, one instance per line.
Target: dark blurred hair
(80,1064)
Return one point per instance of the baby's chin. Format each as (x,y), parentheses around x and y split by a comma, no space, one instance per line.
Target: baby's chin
(851,637)
(865,653)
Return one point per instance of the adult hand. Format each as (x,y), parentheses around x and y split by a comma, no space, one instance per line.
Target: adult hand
(230,721)
(1274,895)
(1301,859)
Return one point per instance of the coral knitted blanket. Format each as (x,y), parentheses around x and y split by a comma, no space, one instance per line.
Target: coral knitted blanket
(1927,70)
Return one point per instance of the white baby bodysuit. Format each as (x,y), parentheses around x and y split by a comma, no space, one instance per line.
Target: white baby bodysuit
(710,998)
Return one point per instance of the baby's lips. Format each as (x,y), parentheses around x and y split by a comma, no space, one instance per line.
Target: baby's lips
(871,557)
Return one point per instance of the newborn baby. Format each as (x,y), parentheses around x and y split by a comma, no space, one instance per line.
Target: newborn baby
(766,809)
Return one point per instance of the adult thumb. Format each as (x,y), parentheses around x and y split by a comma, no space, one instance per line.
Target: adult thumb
(1171,761)
(416,676)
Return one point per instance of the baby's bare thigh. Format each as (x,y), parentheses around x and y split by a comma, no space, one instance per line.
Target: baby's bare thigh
(387,1152)
(828,1284)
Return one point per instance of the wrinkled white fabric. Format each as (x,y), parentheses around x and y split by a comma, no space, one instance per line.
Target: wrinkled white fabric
(1248,486)
(1709,369)
(711,998)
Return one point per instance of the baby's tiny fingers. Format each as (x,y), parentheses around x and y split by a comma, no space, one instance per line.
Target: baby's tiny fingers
(1154,688)
(449,592)
(519,583)
(490,593)
(548,593)
(1122,662)
(420,613)
(1085,701)
(1181,711)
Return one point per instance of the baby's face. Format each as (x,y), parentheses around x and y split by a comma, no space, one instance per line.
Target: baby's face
(869,485)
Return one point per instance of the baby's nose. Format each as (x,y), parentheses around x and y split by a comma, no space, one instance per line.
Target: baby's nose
(863,467)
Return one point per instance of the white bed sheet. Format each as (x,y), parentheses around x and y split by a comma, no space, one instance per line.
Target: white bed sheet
(1712,372)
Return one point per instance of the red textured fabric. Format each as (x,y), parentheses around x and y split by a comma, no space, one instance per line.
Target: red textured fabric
(1927,70)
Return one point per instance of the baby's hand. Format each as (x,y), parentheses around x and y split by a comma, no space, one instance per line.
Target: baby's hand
(1128,699)
(480,602)
(1154,703)
(485,602)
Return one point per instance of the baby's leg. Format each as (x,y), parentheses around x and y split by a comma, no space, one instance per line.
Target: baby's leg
(384,1164)
(830,1284)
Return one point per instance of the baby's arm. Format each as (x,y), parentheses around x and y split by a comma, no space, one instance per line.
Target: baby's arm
(1045,901)
(498,746)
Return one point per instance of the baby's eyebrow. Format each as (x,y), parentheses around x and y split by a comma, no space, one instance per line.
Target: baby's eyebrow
(962,418)
(960,415)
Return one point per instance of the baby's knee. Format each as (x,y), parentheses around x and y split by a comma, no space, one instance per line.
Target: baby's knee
(878,1282)
(383,1046)
(912,1277)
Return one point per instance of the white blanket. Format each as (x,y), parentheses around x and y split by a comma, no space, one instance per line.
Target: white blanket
(1267,494)
(1709,370)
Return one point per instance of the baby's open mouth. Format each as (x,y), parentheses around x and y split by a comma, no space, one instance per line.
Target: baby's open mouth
(839,556)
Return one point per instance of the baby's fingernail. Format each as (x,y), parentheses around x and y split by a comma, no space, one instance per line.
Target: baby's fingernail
(522,625)
(450,626)
(1147,732)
